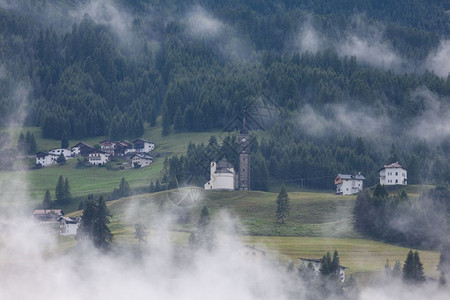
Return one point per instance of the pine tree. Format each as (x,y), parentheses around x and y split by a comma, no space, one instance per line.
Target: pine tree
(86,229)
(335,263)
(102,236)
(47,202)
(178,120)
(282,205)
(413,268)
(32,146)
(59,190)
(21,143)
(325,264)
(67,194)
(27,142)
(124,188)
(380,192)
(140,232)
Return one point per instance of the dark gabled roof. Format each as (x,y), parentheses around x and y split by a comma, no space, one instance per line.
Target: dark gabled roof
(107,142)
(44,154)
(318,261)
(67,219)
(81,144)
(97,151)
(47,212)
(223,171)
(141,155)
(356,176)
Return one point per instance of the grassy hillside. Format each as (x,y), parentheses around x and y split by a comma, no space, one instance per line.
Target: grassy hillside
(94,179)
(318,223)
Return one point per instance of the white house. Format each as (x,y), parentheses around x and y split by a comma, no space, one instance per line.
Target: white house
(393,174)
(98,157)
(223,176)
(349,184)
(143,146)
(46,159)
(66,152)
(314,265)
(68,226)
(141,159)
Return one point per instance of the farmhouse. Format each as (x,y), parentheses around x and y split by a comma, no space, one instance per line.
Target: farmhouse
(223,176)
(82,149)
(66,152)
(68,226)
(141,160)
(393,174)
(349,184)
(122,148)
(108,146)
(47,215)
(314,265)
(46,159)
(98,157)
(143,146)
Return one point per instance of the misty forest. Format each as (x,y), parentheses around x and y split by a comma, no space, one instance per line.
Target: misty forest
(299,90)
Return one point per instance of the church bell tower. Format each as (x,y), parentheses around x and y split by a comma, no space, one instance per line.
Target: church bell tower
(244,158)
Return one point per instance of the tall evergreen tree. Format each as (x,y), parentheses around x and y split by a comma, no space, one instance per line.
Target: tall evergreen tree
(140,232)
(413,268)
(59,190)
(165,121)
(282,205)
(32,146)
(67,194)
(21,143)
(204,235)
(178,120)
(47,202)
(102,236)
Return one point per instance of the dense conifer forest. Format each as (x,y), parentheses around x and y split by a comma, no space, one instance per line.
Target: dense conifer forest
(357,84)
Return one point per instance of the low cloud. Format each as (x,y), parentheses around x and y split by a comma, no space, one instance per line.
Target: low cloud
(343,118)
(202,24)
(309,39)
(105,12)
(434,122)
(438,60)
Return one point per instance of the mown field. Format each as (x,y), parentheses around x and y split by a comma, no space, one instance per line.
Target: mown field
(318,223)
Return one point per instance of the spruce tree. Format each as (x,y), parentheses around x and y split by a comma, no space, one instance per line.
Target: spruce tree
(67,193)
(102,236)
(326,264)
(335,263)
(413,268)
(165,121)
(21,143)
(140,232)
(86,228)
(282,205)
(178,120)
(47,202)
(124,188)
(59,190)
(32,146)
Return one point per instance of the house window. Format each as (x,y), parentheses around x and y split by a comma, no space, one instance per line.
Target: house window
(396,180)
(396,173)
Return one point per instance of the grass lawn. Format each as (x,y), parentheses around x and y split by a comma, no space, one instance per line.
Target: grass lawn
(359,255)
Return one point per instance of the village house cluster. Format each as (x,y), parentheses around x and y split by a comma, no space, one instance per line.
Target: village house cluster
(56,218)
(138,153)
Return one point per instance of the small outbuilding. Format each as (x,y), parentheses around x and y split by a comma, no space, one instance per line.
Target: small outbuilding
(349,184)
